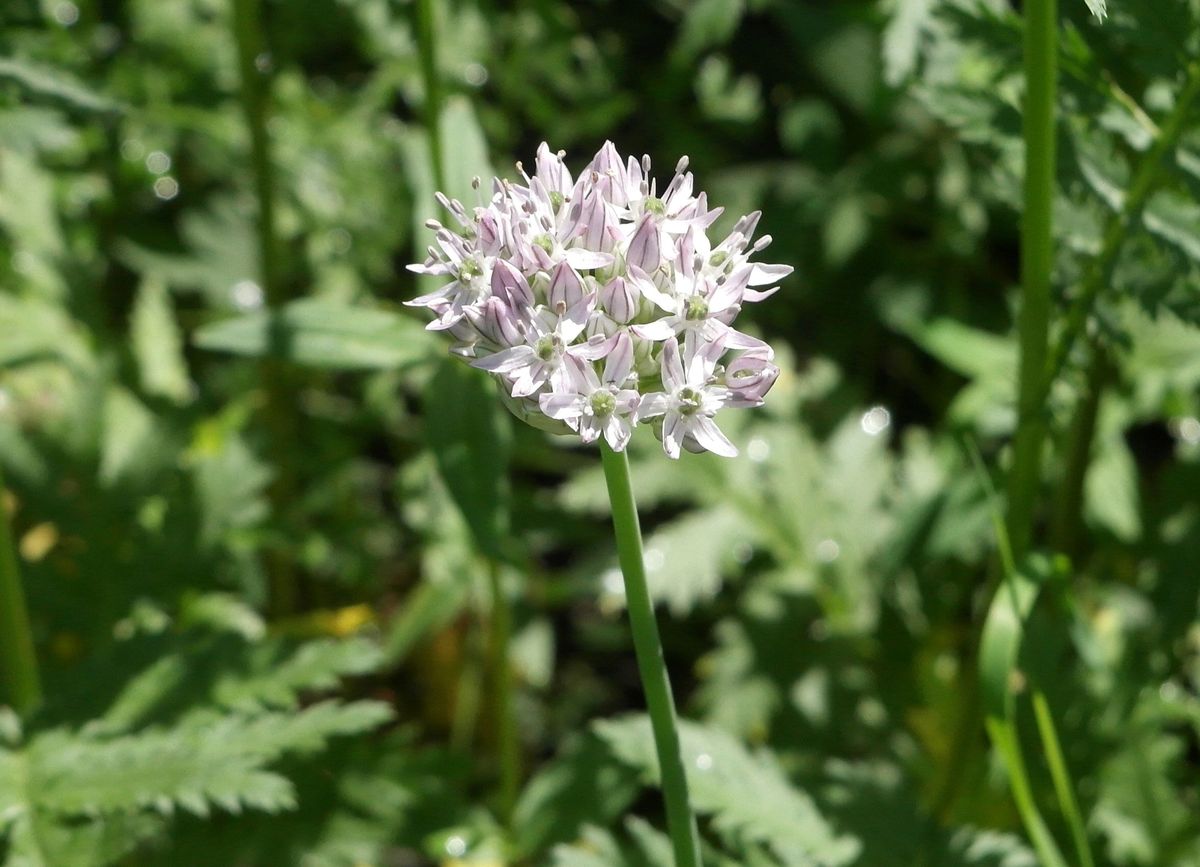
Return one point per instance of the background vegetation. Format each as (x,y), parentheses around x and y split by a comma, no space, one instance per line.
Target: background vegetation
(263,560)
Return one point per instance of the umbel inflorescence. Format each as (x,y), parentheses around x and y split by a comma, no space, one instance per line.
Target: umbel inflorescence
(600,303)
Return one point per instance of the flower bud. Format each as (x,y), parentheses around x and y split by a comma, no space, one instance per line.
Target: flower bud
(565,287)
(488,231)
(597,234)
(497,323)
(510,285)
(619,300)
(645,249)
(551,171)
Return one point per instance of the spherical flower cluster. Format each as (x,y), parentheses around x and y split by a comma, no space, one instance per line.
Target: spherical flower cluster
(600,303)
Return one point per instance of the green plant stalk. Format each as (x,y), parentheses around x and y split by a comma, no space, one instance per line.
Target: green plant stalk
(1067,520)
(1061,777)
(1037,256)
(280,414)
(426,26)
(656,685)
(502,680)
(468,694)
(501,666)
(20,685)
(1144,182)
(1005,739)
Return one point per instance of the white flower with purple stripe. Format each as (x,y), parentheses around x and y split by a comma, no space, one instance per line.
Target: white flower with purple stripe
(580,294)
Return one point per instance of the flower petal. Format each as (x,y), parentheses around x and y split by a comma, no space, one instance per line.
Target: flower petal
(659,329)
(762,273)
(653,405)
(563,407)
(705,431)
(618,432)
(620,360)
(672,367)
(506,360)
(673,432)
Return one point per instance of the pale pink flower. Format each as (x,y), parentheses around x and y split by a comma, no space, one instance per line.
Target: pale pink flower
(565,287)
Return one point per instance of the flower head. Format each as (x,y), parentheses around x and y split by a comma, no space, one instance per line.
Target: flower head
(583,294)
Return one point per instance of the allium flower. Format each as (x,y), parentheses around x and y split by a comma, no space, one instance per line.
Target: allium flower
(599,303)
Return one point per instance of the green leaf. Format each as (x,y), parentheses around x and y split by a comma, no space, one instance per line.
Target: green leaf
(205,761)
(707,23)
(1000,644)
(1111,488)
(972,847)
(969,351)
(687,558)
(53,84)
(581,785)
(464,149)
(322,334)
(131,437)
(469,434)
(1176,221)
(902,38)
(747,795)
(1099,8)
(430,605)
(34,330)
(157,343)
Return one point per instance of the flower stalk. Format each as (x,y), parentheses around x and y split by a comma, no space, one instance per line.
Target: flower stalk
(1033,327)
(254,63)
(507,742)
(652,667)
(20,684)
(1037,259)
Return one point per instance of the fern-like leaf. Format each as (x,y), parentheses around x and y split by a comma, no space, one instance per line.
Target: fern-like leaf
(748,797)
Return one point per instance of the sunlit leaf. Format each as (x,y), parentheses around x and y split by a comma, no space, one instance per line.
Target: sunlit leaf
(322,334)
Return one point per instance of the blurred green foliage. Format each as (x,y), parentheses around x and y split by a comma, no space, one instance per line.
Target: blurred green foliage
(174,463)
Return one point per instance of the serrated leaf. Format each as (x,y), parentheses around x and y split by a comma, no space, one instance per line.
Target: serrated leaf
(747,795)
(47,83)
(687,558)
(34,331)
(581,785)
(1176,221)
(1111,489)
(158,344)
(322,334)
(902,38)
(204,761)
(972,847)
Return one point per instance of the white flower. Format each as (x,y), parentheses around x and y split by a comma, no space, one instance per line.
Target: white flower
(562,286)
(691,399)
(547,340)
(594,405)
(695,306)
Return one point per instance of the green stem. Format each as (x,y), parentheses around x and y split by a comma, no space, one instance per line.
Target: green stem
(1067,521)
(20,685)
(253,65)
(506,730)
(1062,778)
(1005,739)
(1144,182)
(426,26)
(1037,253)
(469,693)
(656,685)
